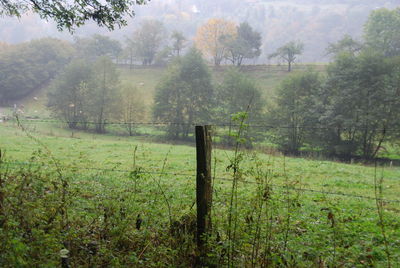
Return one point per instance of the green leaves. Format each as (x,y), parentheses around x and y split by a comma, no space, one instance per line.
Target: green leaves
(245,45)
(185,95)
(28,66)
(87,93)
(146,40)
(346,45)
(238,94)
(96,46)
(294,115)
(382,31)
(289,52)
(71,14)
(362,106)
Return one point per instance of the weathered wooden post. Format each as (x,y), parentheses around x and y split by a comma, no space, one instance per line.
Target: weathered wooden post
(203,184)
(2,195)
(64,258)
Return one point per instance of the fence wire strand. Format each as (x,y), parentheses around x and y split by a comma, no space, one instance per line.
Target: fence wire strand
(281,186)
(251,124)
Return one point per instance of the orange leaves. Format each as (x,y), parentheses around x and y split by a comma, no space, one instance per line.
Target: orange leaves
(210,38)
(4,46)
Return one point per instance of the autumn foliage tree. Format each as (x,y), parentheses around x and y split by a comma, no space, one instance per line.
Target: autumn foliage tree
(211,38)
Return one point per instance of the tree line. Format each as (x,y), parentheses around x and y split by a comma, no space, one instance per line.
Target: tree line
(32,65)
(29,66)
(354,108)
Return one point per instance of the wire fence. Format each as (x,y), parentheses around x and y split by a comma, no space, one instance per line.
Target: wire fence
(246,124)
(192,175)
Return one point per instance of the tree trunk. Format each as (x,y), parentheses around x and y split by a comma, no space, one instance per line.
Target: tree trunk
(379,143)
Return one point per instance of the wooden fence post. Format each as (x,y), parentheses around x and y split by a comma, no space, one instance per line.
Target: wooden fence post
(2,194)
(203,184)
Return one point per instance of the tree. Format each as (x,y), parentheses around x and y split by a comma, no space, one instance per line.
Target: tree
(211,38)
(71,14)
(133,109)
(288,53)
(104,95)
(96,46)
(147,40)
(129,52)
(164,56)
(346,45)
(238,94)
(363,104)
(68,97)
(382,31)
(86,93)
(294,112)
(29,66)
(185,95)
(246,45)
(178,42)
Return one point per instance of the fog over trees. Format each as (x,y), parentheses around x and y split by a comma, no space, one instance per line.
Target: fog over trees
(314,22)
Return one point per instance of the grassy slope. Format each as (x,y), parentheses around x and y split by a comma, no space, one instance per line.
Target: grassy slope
(146,79)
(267,78)
(117,152)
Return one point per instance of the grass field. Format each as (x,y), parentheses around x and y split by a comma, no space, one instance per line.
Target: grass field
(300,223)
(110,151)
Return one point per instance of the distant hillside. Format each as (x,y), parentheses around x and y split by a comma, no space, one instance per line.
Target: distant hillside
(314,22)
(267,78)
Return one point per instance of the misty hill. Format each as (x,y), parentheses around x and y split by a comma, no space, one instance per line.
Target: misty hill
(314,22)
